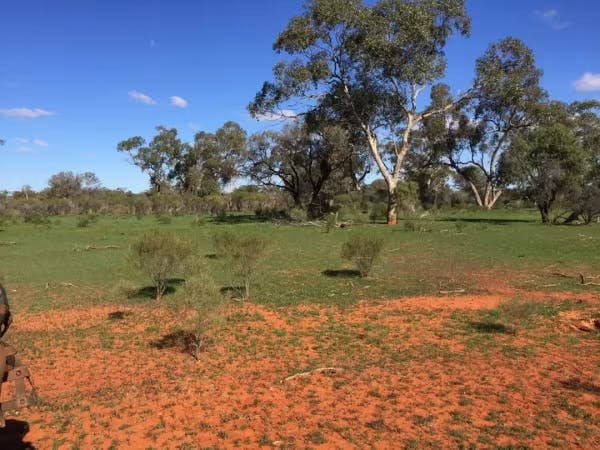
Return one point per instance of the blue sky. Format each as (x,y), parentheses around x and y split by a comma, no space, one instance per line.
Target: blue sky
(78,76)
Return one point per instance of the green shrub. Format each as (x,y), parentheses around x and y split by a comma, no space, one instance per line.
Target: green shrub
(362,251)
(125,289)
(199,221)
(242,255)
(86,220)
(163,219)
(297,215)
(330,222)
(378,212)
(224,243)
(159,255)
(460,226)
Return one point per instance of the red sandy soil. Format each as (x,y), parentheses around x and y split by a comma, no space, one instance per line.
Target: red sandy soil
(408,378)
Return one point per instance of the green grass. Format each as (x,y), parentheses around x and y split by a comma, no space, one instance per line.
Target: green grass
(50,267)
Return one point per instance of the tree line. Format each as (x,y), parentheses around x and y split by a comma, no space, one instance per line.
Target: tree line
(362,96)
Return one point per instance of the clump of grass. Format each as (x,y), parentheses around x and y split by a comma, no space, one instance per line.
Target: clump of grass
(159,255)
(199,221)
(362,251)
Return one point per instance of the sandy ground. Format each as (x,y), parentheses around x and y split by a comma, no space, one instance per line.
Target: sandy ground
(407,375)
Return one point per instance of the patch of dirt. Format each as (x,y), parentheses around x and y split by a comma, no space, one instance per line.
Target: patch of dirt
(409,373)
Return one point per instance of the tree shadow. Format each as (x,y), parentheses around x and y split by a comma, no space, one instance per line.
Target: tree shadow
(236,219)
(211,256)
(150,291)
(12,436)
(233,292)
(491,327)
(342,273)
(177,339)
(118,315)
(576,384)
(485,221)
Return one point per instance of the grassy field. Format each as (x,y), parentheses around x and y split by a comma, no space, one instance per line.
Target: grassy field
(463,336)
(462,250)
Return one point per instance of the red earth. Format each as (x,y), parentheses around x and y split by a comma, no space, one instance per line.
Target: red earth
(424,372)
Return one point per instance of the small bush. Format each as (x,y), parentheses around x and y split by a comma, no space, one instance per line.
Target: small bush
(163,219)
(330,222)
(460,226)
(242,255)
(271,214)
(159,255)
(297,215)
(362,251)
(125,289)
(199,221)
(378,212)
(86,220)
(37,219)
(224,243)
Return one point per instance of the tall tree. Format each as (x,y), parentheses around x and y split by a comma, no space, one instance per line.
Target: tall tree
(69,184)
(153,158)
(547,163)
(302,161)
(367,64)
(471,137)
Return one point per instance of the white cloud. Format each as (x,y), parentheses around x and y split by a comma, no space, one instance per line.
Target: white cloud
(141,97)
(178,102)
(40,142)
(22,140)
(588,82)
(26,113)
(274,116)
(551,17)
(24,149)
(152,43)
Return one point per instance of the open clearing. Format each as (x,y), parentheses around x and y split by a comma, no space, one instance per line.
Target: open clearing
(506,363)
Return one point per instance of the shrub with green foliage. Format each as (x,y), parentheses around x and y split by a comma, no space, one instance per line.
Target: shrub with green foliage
(362,250)
(160,255)
(86,220)
(242,255)
(163,219)
(297,215)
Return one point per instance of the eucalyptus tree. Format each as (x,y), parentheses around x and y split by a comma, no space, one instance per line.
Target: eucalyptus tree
(472,136)
(201,168)
(366,65)
(303,161)
(153,158)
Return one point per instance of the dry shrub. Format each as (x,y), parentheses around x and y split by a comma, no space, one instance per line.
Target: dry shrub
(363,252)
(160,255)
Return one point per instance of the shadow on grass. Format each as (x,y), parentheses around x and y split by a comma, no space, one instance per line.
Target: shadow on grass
(343,273)
(576,384)
(178,339)
(211,256)
(237,219)
(485,221)
(150,291)
(233,292)
(118,315)
(491,327)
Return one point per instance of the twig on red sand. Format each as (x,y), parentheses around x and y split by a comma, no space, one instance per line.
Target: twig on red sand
(329,370)
(455,291)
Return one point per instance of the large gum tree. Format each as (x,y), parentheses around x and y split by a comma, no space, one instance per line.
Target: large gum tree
(365,66)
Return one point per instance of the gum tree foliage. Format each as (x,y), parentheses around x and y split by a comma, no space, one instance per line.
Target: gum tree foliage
(472,137)
(365,65)
(69,184)
(547,162)
(304,161)
(200,168)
